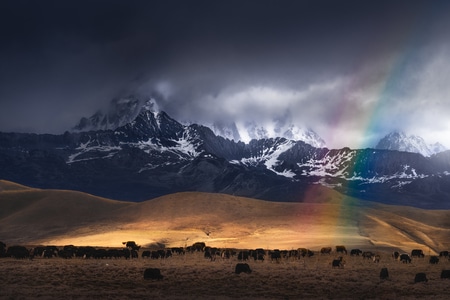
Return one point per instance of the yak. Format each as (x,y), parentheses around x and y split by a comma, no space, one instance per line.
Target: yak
(405,258)
(198,246)
(341,249)
(305,252)
(417,252)
(395,254)
(443,253)
(17,252)
(434,260)
(338,263)
(384,273)
(275,255)
(420,277)
(326,250)
(131,245)
(368,255)
(258,254)
(356,252)
(153,273)
(242,268)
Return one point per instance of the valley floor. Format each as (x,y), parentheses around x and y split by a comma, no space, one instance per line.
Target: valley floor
(191,276)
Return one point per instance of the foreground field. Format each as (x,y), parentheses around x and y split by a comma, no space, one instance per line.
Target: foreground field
(191,276)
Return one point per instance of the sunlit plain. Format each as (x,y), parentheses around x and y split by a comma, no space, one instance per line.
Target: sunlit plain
(54,217)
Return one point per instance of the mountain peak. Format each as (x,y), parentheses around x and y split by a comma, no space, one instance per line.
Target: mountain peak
(400,141)
(121,111)
(150,105)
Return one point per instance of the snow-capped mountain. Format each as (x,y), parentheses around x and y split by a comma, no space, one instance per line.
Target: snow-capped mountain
(399,141)
(124,110)
(153,155)
(121,111)
(437,148)
(308,136)
(253,131)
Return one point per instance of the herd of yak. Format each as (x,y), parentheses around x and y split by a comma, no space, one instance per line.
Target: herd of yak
(131,251)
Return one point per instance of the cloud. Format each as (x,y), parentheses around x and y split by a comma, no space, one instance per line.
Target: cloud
(351,71)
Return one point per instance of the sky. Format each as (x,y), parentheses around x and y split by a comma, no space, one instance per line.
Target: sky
(352,71)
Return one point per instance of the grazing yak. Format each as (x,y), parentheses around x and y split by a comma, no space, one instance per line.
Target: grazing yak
(405,258)
(417,253)
(341,249)
(356,252)
(146,254)
(153,273)
(226,254)
(198,246)
(68,251)
(131,245)
(420,277)
(258,254)
(46,251)
(445,274)
(434,260)
(326,250)
(443,254)
(242,268)
(384,274)
(368,255)
(338,263)
(243,255)
(275,255)
(157,254)
(18,252)
(376,258)
(395,254)
(305,252)
(210,254)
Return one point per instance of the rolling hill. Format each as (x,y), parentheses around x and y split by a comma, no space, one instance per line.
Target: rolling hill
(323,218)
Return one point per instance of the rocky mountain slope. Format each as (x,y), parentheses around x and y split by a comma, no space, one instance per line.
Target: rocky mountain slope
(154,155)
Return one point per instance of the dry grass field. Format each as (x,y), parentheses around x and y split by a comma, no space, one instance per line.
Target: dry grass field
(191,276)
(325,218)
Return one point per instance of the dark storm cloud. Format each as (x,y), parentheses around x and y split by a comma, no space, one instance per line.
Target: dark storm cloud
(323,64)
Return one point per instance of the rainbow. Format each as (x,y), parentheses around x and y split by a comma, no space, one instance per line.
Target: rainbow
(340,213)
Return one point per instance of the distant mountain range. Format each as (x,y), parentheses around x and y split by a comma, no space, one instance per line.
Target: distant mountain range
(136,152)
(124,110)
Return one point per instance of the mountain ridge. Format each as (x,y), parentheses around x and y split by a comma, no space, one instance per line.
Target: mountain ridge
(154,155)
(123,111)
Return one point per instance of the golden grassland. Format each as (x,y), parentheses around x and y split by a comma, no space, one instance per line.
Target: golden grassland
(191,276)
(326,218)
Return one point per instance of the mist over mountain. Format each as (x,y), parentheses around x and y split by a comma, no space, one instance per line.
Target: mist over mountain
(153,154)
(124,110)
(399,141)
(120,112)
